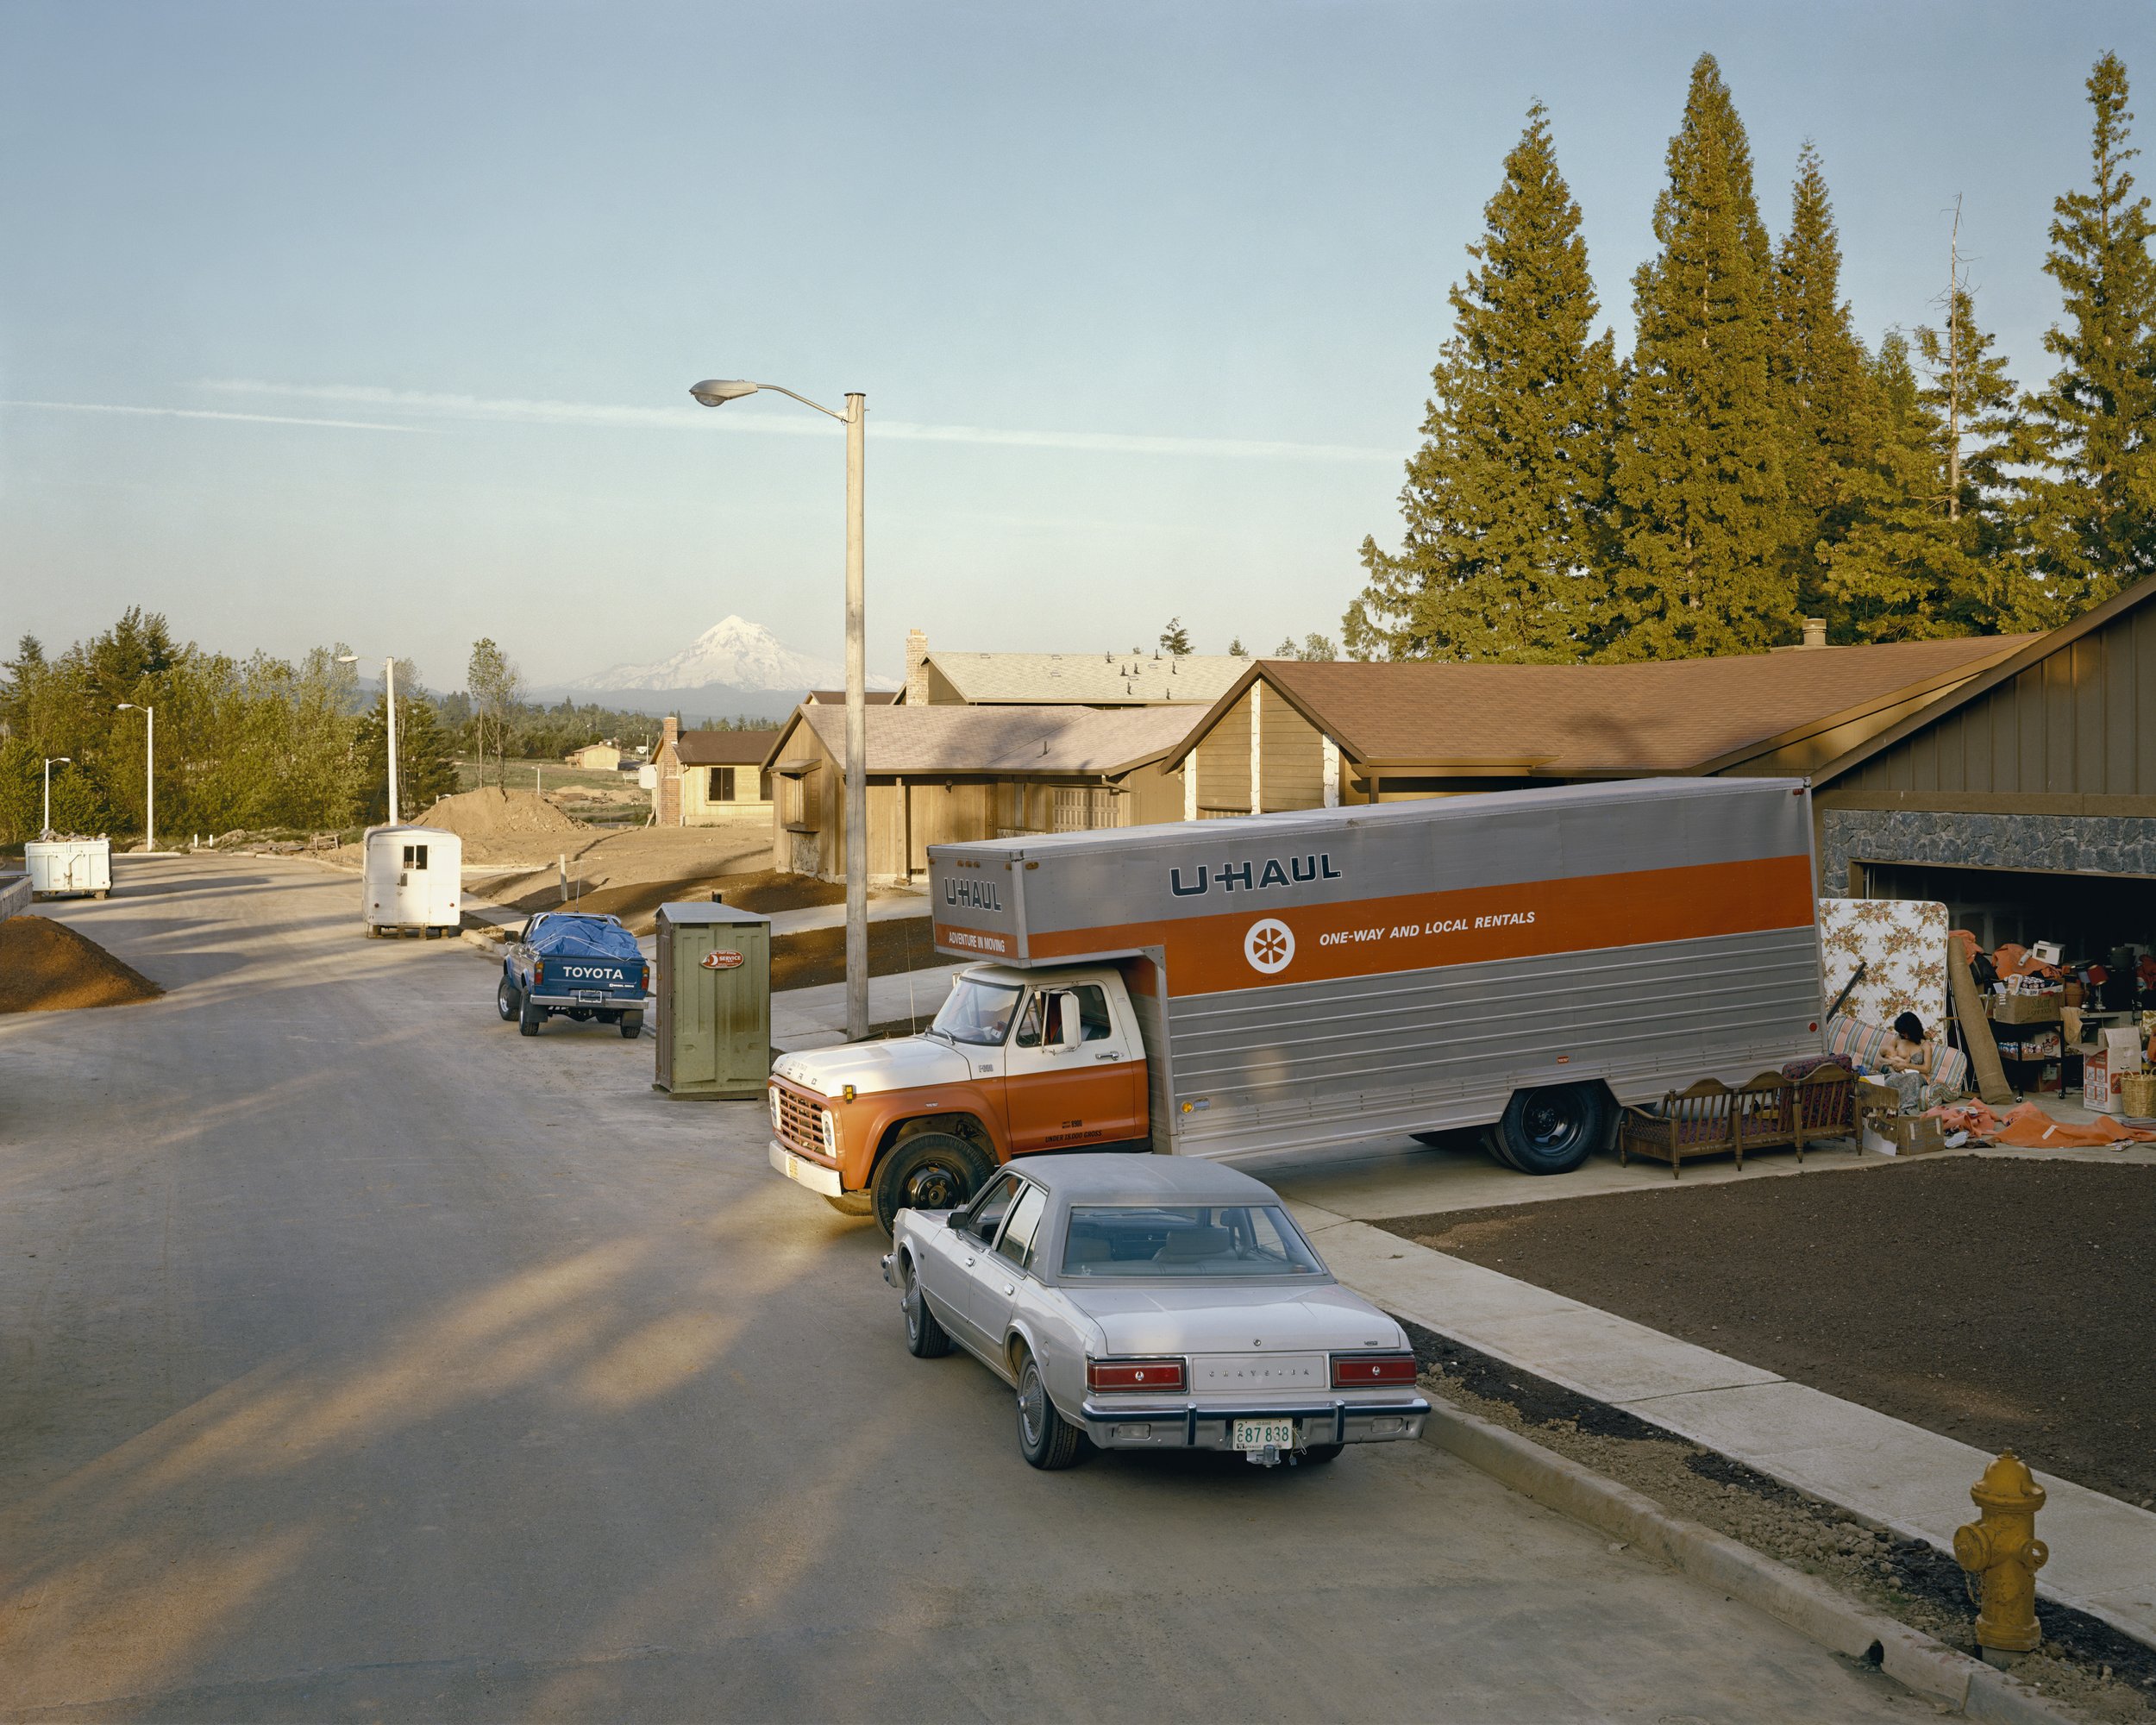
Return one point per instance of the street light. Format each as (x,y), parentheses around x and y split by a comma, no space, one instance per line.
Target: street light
(149,778)
(51,760)
(389,685)
(716,392)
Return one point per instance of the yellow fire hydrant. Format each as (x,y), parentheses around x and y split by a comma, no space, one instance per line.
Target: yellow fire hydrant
(2000,1548)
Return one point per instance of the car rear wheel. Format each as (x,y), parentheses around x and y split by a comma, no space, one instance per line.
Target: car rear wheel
(924,1337)
(528,1017)
(506,1001)
(930,1171)
(1550,1131)
(1046,1439)
(632,1025)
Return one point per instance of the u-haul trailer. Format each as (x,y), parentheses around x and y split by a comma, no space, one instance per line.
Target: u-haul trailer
(1284,982)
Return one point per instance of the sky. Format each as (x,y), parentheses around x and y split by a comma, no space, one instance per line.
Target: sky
(374,322)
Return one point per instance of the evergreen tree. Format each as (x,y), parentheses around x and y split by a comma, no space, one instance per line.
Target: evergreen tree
(1503,501)
(1175,640)
(426,767)
(1700,487)
(2090,505)
(1236,649)
(1832,419)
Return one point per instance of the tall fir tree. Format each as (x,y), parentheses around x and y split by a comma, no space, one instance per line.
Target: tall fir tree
(1968,401)
(1825,390)
(2089,503)
(1504,500)
(1700,488)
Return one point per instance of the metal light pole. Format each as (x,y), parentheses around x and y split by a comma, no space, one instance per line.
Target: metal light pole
(389,686)
(51,760)
(716,392)
(149,780)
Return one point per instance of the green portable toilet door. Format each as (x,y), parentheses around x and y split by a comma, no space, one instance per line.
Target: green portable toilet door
(695,1043)
(742,1033)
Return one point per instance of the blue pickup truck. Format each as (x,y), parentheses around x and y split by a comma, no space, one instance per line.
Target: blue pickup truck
(580,966)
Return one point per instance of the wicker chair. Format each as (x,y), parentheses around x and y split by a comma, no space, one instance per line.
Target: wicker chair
(1696,1122)
(1764,1116)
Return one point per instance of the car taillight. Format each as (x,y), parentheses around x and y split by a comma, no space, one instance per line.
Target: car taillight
(1352,1371)
(1134,1374)
(643,979)
(539,973)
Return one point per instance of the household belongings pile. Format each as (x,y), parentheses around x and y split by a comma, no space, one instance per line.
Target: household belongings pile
(2026,1127)
(1922,1073)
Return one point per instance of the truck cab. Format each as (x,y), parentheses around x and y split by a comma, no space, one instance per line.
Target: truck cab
(1017,1063)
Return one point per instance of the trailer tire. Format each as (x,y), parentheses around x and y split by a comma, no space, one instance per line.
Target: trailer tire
(505,1000)
(928,1171)
(1552,1130)
(528,1017)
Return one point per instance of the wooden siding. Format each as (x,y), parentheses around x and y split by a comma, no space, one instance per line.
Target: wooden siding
(2080,721)
(1291,758)
(1224,760)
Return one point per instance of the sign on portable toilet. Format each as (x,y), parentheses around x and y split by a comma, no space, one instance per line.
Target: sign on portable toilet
(714,1001)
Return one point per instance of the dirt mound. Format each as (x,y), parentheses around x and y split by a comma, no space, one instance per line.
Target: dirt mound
(492,813)
(46,967)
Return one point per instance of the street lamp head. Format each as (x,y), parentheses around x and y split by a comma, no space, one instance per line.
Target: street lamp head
(718,391)
(128,706)
(60,761)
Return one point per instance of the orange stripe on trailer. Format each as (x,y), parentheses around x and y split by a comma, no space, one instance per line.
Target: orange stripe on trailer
(1260,946)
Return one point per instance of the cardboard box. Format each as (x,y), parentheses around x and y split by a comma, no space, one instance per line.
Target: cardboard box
(2122,1049)
(1907,1135)
(2019,1009)
(2097,1093)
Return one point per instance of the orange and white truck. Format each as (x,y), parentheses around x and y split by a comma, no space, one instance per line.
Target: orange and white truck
(1526,959)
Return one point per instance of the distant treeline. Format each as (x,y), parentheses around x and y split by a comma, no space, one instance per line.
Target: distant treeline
(1751,461)
(257,744)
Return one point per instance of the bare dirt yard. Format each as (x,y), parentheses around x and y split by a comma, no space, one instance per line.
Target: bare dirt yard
(1999,1300)
(818,955)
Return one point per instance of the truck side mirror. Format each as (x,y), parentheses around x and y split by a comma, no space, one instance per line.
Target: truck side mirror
(1073,1031)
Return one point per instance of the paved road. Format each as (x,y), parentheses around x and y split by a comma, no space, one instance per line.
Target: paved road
(364,1359)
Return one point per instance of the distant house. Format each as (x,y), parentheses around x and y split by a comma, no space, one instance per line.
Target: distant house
(595,757)
(1063,679)
(943,774)
(705,777)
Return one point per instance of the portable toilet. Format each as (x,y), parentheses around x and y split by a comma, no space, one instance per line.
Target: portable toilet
(61,867)
(714,1001)
(413,878)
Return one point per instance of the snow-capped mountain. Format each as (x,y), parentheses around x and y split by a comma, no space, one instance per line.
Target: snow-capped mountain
(737,652)
(733,666)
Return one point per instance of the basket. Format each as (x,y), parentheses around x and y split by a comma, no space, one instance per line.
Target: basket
(2137,1093)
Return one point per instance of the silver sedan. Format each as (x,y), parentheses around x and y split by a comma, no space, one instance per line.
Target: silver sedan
(1153,1302)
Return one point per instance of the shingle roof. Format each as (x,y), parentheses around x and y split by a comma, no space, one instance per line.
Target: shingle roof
(1676,715)
(724,748)
(837,697)
(1009,740)
(1092,678)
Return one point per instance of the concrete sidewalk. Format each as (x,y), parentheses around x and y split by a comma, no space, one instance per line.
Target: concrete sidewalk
(2102,1550)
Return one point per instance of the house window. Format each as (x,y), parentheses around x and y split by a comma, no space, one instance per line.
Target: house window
(763,788)
(721,784)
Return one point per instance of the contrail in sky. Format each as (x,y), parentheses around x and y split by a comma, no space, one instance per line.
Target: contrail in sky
(782,424)
(206,413)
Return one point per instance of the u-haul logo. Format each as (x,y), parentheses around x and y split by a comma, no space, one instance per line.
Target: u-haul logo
(979,895)
(1250,877)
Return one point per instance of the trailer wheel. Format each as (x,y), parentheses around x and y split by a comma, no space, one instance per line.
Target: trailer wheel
(1550,1131)
(929,1171)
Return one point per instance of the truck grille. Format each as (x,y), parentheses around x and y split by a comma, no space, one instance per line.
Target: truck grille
(800,1121)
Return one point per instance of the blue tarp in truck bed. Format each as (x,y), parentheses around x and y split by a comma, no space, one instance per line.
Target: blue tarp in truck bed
(584,936)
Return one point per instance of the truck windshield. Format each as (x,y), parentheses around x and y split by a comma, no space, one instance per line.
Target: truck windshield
(1199,1243)
(978,1012)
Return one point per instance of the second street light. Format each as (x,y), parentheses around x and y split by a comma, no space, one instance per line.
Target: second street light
(149,777)
(716,392)
(51,761)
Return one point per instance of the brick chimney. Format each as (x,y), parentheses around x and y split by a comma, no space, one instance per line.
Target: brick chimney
(917,667)
(670,732)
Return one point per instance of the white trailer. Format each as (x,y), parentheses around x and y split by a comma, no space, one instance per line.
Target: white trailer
(413,879)
(63,868)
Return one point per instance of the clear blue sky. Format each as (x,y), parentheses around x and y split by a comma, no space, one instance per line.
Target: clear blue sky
(1145,297)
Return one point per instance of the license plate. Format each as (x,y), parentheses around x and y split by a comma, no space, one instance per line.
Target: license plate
(1264,1434)
(591,996)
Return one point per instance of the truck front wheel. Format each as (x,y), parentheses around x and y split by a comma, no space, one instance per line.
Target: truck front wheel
(929,1171)
(1550,1131)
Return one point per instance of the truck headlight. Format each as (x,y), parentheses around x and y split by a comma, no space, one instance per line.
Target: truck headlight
(830,1136)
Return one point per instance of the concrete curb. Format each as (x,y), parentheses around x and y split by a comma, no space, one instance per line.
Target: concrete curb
(1813,1609)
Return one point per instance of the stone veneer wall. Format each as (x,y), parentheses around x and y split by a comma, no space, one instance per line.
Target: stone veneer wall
(2088,844)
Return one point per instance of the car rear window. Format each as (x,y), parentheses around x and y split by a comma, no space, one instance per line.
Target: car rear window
(1197,1242)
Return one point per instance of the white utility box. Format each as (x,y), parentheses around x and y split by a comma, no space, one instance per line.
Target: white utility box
(413,879)
(62,867)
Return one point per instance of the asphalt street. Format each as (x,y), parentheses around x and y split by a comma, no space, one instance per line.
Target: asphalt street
(361,1358)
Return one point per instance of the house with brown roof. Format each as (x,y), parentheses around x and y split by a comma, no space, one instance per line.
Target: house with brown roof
(1132,678)
(945,773)
(704,778)
(1297,734)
